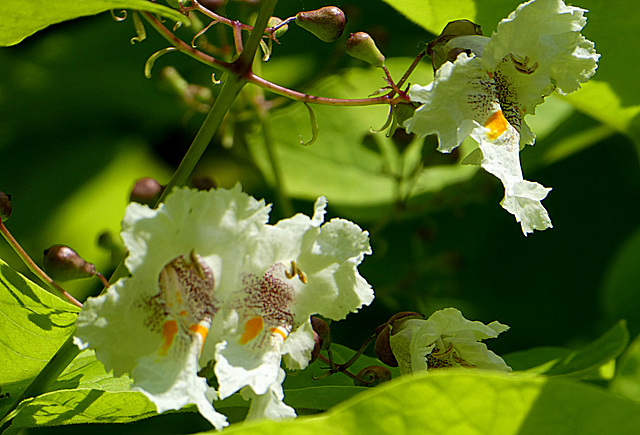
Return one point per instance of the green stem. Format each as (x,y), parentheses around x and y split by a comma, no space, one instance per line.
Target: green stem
(233,83)
(33,267)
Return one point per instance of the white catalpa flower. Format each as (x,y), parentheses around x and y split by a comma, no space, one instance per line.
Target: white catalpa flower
(446,339)
(485,86)
(212,281)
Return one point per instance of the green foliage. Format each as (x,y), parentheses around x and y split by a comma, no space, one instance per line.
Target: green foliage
(470,403)
(438,236)
(19,19)
(35,323)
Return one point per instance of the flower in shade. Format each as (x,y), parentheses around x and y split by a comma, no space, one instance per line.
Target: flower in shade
(484,87)
(212,281)
(446,339)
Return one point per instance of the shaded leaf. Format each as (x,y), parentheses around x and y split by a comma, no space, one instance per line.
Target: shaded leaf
(559,361)
(20,19)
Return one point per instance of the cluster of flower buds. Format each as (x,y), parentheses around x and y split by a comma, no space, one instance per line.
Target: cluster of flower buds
(328,24)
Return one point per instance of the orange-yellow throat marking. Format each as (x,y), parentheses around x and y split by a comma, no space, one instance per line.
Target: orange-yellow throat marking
(170,329)
(497,124)
(252,328)
(196,328)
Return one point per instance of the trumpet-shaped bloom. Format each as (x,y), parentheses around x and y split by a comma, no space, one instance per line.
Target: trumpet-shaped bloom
(446,339)
(490,84)
(212,281)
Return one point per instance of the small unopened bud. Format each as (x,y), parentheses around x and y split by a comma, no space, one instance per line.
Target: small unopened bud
(63,264)
(5,206)
(203,182)
(323,330)
(274,21)
(372,376)
(146,191)
(384,332)
(468,36)
(326,23)
(362,46)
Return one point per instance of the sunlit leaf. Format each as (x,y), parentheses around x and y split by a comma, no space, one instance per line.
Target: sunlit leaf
(34,324)
(469,402)
(20,19)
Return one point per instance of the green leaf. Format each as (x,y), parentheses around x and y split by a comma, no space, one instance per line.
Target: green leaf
(34,324)
(469,402)
(20,19)
(627,379)
(84,393)
(558,361)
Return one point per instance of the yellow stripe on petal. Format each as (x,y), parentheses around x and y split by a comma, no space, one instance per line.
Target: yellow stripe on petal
(497,124)
(281,331)
(252,328)
(169,331)
(199,329)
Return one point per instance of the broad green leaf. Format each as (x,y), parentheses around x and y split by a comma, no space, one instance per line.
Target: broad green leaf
(627,379)
(84,393)
(558,361)
(348,164)
(469,402)
(34,324)
(20,19)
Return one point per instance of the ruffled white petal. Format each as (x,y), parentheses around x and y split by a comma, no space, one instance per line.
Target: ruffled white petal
(270,404)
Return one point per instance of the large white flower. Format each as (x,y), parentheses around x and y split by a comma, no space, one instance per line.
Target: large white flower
(211,280)
(446,339)
(485,86)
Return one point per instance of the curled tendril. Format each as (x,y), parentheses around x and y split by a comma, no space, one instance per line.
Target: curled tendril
(148,66)
(213,79)
(122,17)
(202,32)
(140,30)
(314,127)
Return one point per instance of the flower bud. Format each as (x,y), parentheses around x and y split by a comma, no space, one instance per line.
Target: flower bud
(274,21)
(362,46)
(321,328)
(372,376)
(326,23)
(63,264)
(382,347)
(444,49)
(5,206)
(203,182)
(146,191)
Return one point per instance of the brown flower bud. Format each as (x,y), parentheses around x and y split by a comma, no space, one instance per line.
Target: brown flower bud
(323,330)
(203,182)
(5,206)
(63,264)
(441,51)
(384,332)
(326,23)
(362,46)
(372,376)
(146,191)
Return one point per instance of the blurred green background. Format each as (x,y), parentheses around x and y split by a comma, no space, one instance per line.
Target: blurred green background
(79,124)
